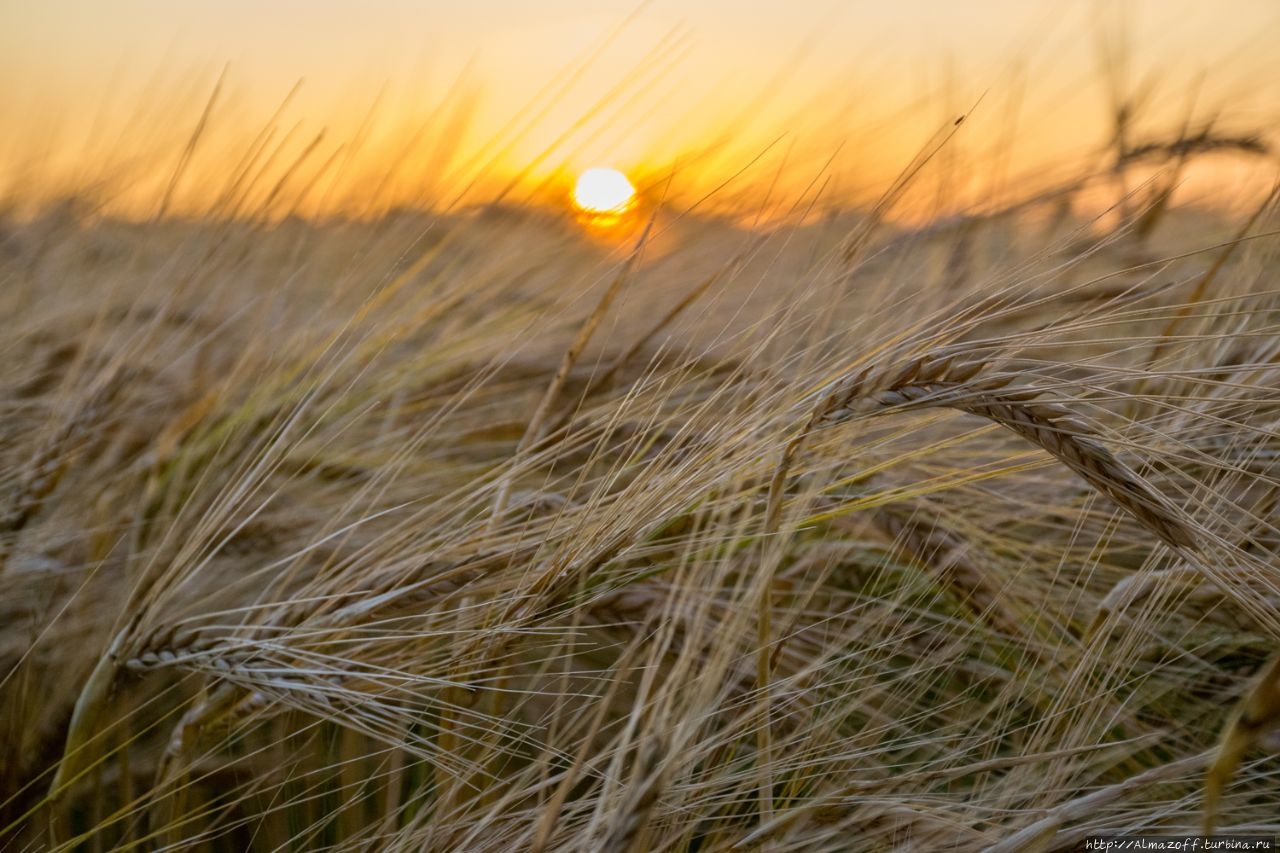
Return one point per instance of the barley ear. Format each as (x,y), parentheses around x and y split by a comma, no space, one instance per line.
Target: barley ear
(84,719)
(1257,714)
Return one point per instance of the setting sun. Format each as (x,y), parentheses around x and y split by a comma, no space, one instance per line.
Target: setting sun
(603,191)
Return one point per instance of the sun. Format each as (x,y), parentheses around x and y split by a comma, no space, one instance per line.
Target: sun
(603,192)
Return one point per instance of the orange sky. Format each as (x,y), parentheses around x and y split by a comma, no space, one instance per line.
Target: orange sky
(439,103)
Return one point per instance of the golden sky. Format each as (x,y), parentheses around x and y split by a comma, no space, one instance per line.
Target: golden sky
(412,102)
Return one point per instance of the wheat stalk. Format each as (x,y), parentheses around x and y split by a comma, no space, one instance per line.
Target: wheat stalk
(936,379)
(626,831)
(949,557)
(1042,834)
(538,424)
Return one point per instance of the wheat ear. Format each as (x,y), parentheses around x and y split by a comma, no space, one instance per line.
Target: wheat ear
(1257,714)
(41,475)
(935,381)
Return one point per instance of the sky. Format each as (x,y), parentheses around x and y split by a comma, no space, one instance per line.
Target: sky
(405,102)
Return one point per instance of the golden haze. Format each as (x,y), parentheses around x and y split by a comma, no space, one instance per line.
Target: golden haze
(337,108)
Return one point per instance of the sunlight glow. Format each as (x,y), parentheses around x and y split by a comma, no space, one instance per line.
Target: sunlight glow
(603,191)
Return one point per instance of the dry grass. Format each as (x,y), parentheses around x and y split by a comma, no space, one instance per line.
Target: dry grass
(428,533)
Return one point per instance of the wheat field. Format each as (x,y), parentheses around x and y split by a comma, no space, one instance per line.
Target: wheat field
(471,530)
